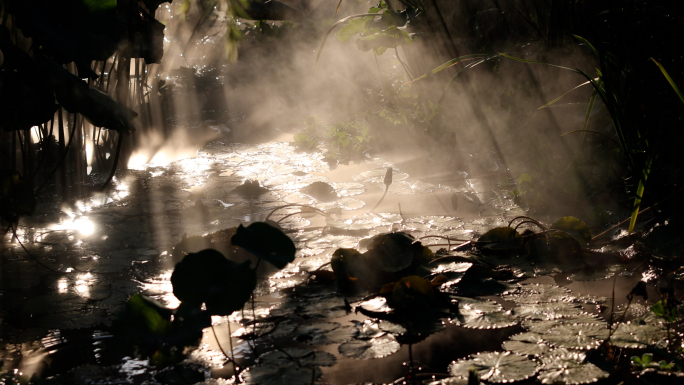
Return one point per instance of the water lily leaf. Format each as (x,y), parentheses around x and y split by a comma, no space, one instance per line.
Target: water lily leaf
(347,189)
(547,311)
(574,227)
(277,374)
(208,277)
(254,331)
(327,241)
(477,319)
(500,240)
(324,333)
(568,368)
(635,336)
(495,367)
(378,176)
(324,308)
(454,381)
(266,242)
(529,343)
(376,305)
(374,348)
(298,356)
(322,191)
(392,252)
(365,221)
(577,336)
(433,224)
(539,293)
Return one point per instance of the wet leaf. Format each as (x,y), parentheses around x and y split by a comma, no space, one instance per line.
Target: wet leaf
(374,348)
(347,189)
(482,314)
(392,252)
(277,374)
(378,176)
(500,240)
(547,311)
(635,336)
(574,227)
(577,336)
(298,356)
(529,343)
(539,293)
(568,368)
(495,367)
(324,333)
(254,331)
(208,277)
(365,221)
(328,241)
(266,242)
(322,191)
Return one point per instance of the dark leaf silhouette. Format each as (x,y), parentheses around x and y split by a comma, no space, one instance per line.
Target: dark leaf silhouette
(266,242)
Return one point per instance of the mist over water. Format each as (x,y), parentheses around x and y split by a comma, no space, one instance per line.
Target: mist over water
(215,124)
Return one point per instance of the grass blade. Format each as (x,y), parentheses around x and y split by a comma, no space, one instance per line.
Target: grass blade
(669,80)
(640,193)
(561,97)
(450,63)
(593,132)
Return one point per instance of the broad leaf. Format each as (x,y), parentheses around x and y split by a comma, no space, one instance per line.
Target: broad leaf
(266,242)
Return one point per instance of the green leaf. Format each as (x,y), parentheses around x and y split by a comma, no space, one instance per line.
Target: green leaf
(149,311)
(669,80)
(100,5)
(208,277)
(663,310)
(500,240)
(352,28)
(574,227)
(266,242)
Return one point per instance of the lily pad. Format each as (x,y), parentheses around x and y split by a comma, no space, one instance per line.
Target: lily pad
(500,240)
(208,277)
(347,189)
(365,221)
(529,343)
(568,368)
(266,242)
(539,293)
(577,336)
(298,356)
(495,367)
(574,227)
(635,336)
(377,347)
(324,333)
(277,374)
(322,191)
(254,331)
(547,311)
(378,176)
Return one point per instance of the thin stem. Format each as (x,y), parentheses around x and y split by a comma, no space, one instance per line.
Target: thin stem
(383,197)
(116,162)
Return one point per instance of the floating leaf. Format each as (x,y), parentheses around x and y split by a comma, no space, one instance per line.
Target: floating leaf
(347,189)
(562,367)
(482,314)
(547,311)
(500,240)
(635,336)
(208,277)
(529,343)
(266,242)
(365,221)
(574,227)
(254,331)
(378,176)
(322,191)
(277,374)
(495,367)
(374,348)
(298,356)
(539,293)
(577,336)
(324,333)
